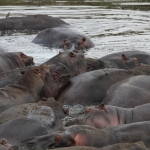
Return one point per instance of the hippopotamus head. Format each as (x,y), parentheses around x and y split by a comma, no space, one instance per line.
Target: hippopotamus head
(94,64)
(20,59)
(75,43)
(75,62)
(55,80)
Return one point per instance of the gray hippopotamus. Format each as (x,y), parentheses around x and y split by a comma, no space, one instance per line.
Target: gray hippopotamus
(31,22)
(116,60)
(65,38)
(21,122)
(122,62)
(76,62)
(83,135)
(91,87)
(119,146)
(106,115)
(129,93)
(13,60)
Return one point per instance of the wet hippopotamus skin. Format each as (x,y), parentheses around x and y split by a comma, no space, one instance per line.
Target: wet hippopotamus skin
(91,87)
(31,22)
(129,93)
(114,60)
(82,135)
(64,38)
(55,80)
(106,115)
(121,63)
(27,89)
(13,60)
(76,62)
(119,146)
(27,119)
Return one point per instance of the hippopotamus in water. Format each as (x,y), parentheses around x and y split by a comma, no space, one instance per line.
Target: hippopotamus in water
(114,59)
(106,115)
(91,87)
(122,62)
(76,62)
(29,118)
(13,60)
(31,22)
(83,135)
(129,93)
(65,38)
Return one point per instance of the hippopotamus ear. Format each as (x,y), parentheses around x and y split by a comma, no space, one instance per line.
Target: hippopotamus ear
(102,106)
(23,55)
(37,71)
(71,54)
(83,39)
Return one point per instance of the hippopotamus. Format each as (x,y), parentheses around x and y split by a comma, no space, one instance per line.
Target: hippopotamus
(122,62)
(102,116)
(44,117)
(130,92)
(4,145)
(76,62)
(119,146)
(64,38)
(55,80)
(31,22)
(83,135)
(91,87)
(13,60)
(116,60)
(27,89)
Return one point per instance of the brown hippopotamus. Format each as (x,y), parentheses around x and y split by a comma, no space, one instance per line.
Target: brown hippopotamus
(31,22)
(129,93)
(27,89)
(13,60)
(65,38)
(106,115)
(76,62)
(91,87)
(55,80)
(114,59)
(83,135)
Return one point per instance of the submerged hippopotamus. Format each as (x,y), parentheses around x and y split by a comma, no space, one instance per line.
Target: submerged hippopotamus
(129,93)
(106,115)
(21,122)
(76,62)
(65,38)
(91,87)
(126,59)
(13,60)
(31,22)
(83,135)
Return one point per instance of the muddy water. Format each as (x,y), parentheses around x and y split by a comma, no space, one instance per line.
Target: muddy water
(113,26)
